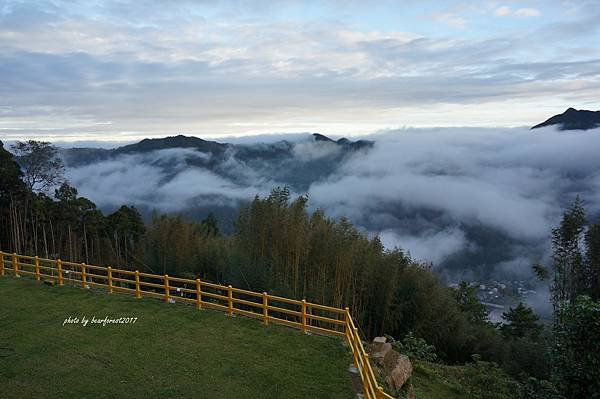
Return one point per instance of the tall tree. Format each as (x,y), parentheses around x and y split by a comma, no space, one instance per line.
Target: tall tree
(468,302)
(211,226)
(592,243)
(42,165)
(10,177)
(12,191)
(576,355)
(568,258)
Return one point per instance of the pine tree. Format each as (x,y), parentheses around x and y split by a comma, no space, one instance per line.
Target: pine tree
(521,322)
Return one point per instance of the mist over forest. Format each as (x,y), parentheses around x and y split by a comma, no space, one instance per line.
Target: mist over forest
(476,203)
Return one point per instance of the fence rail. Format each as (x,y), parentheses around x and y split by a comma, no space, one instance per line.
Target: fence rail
(300,314)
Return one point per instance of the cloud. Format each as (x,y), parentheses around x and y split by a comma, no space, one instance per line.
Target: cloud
(451,20)
(165,180)
(502,11)
(486,198)
(429,246)
(528,12)
(213,69)
(499,178)
(307,151)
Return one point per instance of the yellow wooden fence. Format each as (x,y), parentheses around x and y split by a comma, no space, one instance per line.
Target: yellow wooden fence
(303,315)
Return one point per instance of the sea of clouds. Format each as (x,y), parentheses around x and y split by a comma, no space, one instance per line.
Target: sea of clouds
(419,189)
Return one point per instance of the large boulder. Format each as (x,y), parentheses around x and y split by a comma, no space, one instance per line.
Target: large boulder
(401,372)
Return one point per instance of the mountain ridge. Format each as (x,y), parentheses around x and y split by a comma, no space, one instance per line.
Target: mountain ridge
(573,119)
(298,163)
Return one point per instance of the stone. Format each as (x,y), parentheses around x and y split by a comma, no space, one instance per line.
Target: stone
(378,343)
(400,373)
(379,340)
(381,354)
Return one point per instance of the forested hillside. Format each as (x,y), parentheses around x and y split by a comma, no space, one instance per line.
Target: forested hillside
(280,247)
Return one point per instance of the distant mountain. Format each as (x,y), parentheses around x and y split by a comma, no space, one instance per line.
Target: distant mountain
(297,163)
(573,119)
(79,156)
(179,141)
(355,145)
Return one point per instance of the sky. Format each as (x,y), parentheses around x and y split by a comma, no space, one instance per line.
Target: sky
(121,71)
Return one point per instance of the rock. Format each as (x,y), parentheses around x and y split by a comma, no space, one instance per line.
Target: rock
(378,343)
(400,373)
(380,355)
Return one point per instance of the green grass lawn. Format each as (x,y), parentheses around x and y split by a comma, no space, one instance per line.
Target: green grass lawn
(171,351)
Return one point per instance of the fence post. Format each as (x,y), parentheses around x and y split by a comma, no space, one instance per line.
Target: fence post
(347,324)
(367,384)
(138,293)
(59,268)
(355,345)
(265,309)
(110,287)
(303,312)
(36,262)
(167,289)
(380,392)
(198,294)
(229,300)
(15,265)
(83,276)
(1,263)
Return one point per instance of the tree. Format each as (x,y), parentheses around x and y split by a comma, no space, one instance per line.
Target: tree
(521,322)
(126,228)
(568,258)
(576,353)
(10,177)
(211,226)
(12,190)
(42,165)
(469,304)
(576,356)
(592,242)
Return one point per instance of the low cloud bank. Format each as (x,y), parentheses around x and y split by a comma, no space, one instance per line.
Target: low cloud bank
(463,198)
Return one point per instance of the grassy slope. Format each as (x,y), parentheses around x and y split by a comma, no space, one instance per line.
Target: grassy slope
(172,351)
(435,381)
(473,380)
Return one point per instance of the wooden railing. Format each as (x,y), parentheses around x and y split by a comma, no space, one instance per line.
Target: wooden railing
(300,314)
